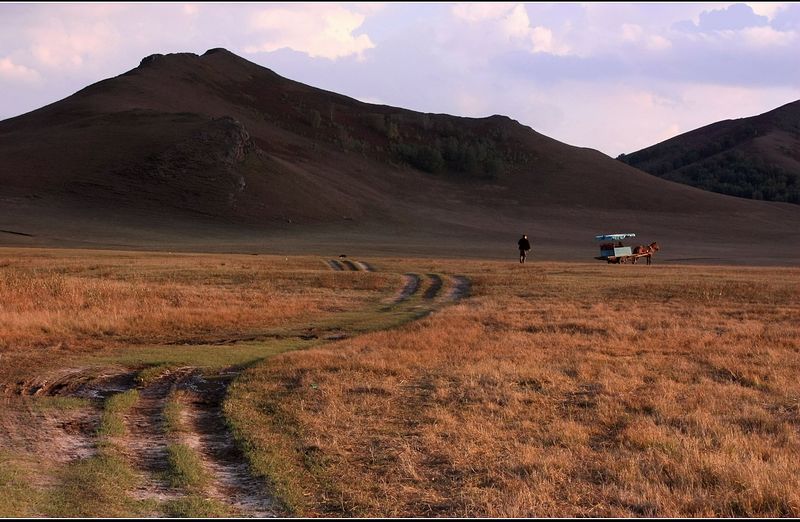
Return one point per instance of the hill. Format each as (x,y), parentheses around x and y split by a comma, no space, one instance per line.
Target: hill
(756,157)
(216,153)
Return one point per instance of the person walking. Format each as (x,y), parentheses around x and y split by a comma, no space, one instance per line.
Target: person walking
(524,248)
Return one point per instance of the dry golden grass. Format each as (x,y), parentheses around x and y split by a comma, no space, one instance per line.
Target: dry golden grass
(558,390)
(84,298)
(67,309)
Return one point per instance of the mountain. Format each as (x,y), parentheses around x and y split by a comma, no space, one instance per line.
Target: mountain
(213,152)
(756,157)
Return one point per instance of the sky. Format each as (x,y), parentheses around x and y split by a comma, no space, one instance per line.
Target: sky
(615,77)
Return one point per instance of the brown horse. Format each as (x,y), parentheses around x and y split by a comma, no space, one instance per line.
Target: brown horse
(648,251)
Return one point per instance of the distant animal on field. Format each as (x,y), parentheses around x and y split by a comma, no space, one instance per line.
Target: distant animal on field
(646,251)
(342,256)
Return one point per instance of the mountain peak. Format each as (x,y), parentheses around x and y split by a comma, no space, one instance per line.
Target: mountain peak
(218,50)
(158,57)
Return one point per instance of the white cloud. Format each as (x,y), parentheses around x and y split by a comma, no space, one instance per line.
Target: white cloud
(542,41)
(516,24)
(768,9)
(767,37)
(64,44)
(324,31)
(511,23)
(12,71)
(634,33)
(480,12)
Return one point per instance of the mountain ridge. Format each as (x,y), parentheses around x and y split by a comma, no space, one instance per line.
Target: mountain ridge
(194,143)
(754,157)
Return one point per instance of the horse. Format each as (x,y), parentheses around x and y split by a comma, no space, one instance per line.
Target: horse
(647,251)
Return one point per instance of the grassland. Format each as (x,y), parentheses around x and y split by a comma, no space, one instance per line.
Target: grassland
(97,310)
(572,390)
(79,299)
(554,390)
(127,306)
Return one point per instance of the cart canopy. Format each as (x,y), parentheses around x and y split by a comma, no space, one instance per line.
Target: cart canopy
(613,237)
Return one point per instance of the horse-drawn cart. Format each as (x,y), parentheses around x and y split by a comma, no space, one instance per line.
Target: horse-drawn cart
(613,251)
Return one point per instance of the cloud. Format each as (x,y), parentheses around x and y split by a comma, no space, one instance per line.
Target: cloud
(516,24)
(732,18)
(324,31)
(511,23)
(768,9)
(544,42)
(12,71)
(66,42)
(636,34)
(768,37)
(787,18)
(481,12)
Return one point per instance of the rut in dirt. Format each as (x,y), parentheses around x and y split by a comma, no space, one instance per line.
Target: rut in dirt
(462,288)
(410,286)
(346,264)
(350,265)
(208,434)
(145,442)
(433,289)
(335,265)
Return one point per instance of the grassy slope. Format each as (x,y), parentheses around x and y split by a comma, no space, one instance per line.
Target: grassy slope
(749,157)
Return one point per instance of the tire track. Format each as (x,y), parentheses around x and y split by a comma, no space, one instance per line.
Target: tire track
(433,289)
(366,267)
(462,288)
(346,264)
(410,286)
(145,442)
(349,264)
(335,265)
(209,436)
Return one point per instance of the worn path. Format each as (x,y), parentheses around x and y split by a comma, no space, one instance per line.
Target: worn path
(200,397)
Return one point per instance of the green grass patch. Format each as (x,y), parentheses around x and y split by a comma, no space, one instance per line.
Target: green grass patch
(210,357)
(94,487)
(112,422)
(172,414)
(267,438)
(185,468)
(194,506)
(17,497)
(59,403)
(151,374)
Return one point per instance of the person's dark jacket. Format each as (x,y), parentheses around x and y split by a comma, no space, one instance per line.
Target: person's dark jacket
(524,244)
